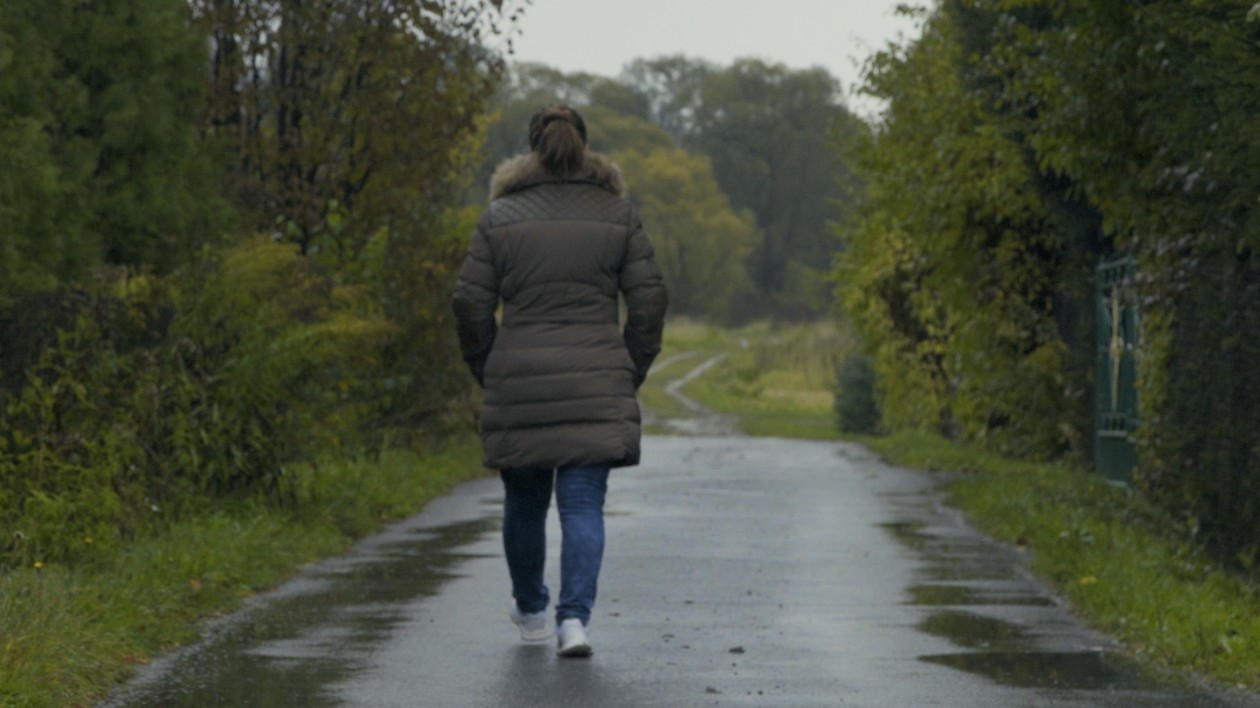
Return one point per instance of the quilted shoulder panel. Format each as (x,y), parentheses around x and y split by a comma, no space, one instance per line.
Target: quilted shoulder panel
(570,200)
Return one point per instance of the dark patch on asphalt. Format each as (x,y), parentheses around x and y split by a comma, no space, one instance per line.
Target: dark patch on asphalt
(908,532)
(974,631)
(1084,670)
(937,594)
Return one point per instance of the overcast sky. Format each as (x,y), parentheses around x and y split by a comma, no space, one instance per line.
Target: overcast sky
(600,36)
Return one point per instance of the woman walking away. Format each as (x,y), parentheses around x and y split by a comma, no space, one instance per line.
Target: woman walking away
(556,246)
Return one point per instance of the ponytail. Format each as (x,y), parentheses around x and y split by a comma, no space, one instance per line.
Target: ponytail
(557,134)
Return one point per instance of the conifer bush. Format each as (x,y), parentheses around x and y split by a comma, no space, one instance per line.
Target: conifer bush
(856,410)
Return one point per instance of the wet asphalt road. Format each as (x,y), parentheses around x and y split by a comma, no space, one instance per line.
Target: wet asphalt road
(739,572)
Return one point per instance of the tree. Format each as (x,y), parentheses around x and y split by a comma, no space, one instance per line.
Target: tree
(673,88)
(345,108)
(1025,141)
(768,130)
(615,133)
(1149,110)
(99,105)
(702,244)
(353,123)
(953,268)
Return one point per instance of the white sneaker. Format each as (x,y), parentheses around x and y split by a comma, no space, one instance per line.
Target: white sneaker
(571,639)
(533,626)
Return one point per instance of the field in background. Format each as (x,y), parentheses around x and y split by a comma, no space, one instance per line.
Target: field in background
(779,380)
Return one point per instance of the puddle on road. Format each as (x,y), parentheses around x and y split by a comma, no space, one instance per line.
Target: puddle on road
(950,558)
(943,595)
(974,631)
(1085,670)
(313,632)
(975,569)
(1007,655)
(909,533)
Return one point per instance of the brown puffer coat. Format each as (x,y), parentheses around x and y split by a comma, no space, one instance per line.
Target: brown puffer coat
(559,373)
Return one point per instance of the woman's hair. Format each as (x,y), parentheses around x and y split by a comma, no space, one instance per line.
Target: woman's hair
(558,135)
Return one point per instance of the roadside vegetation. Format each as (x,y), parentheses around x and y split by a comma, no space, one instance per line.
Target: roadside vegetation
(71,632)
(1026,146)
(1118,559)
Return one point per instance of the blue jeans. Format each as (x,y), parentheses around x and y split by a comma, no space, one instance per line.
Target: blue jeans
(580,495)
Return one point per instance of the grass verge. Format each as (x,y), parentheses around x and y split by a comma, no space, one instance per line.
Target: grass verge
(1124,566)
(70,634)
(1118,561)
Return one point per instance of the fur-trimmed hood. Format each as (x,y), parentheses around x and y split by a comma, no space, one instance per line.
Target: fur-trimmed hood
(517,173)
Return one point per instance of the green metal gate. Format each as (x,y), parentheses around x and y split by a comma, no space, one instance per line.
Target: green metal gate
(1115,456)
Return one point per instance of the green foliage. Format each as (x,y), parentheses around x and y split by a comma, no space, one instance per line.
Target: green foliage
(423,382)
(352,126)
(1032,138)
(153,400)
(1171,175)
(162,387)
(934,453)
(80,461)
(616,133)
(856,409)
(99,104)
(204,369)
(702,245)
(880,282)
(1200,439)
(766,128)
(615,117)
(357,108)
(951,272)
(288,358)
(60,456)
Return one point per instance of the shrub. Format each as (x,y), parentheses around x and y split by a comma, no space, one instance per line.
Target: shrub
(856,411)
(156,396)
